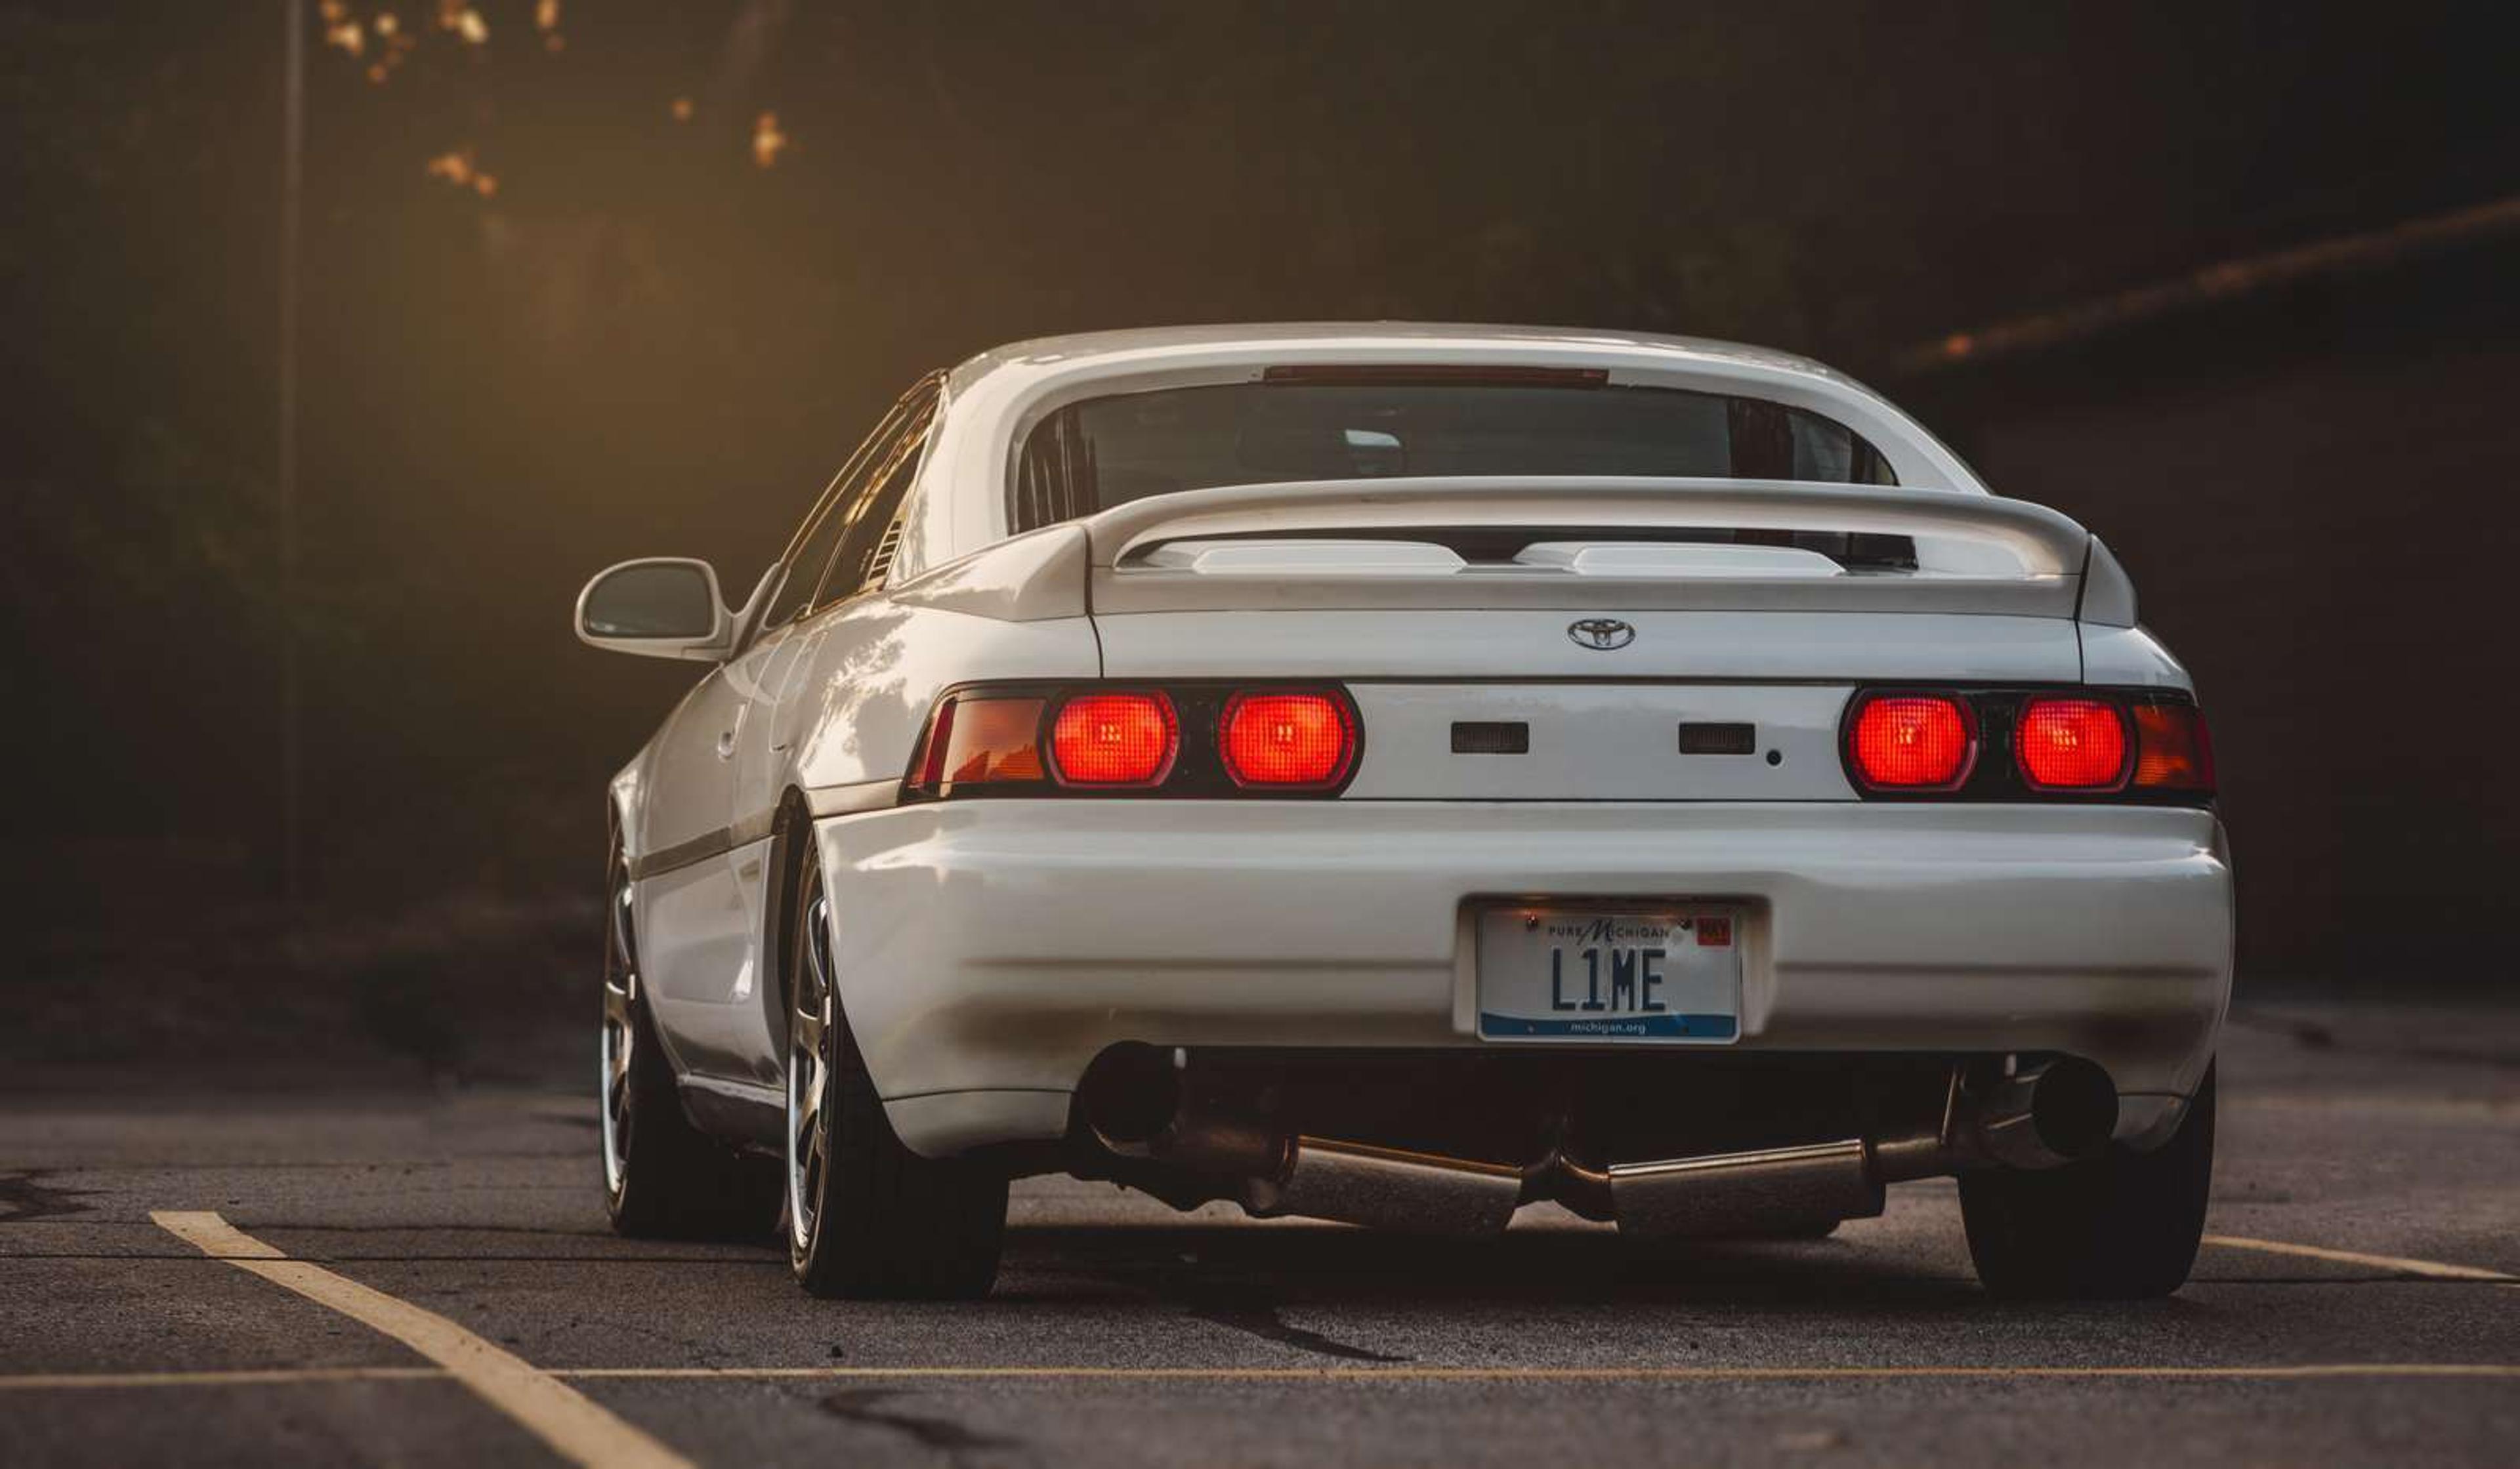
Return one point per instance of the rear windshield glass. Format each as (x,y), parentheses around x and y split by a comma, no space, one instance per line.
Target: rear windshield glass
(1104,452)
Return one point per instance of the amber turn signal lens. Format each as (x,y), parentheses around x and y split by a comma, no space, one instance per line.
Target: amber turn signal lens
(979,741)
(1911,741)
(1114,740)
(2071,744)
(2172,749)
(1300,739)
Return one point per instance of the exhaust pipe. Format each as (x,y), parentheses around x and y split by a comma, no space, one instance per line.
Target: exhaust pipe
(1134,1102)
(2045,1116)
(1389,1188)
(2038,1117)
(1739,1194)
(2055,1113)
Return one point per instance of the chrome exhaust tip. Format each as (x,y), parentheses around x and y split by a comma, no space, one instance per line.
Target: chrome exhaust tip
(2048,1115)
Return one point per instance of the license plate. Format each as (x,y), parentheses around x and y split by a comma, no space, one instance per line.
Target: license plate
(1581,973)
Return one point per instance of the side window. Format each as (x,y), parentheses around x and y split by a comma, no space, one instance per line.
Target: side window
(873,533)
(809,555)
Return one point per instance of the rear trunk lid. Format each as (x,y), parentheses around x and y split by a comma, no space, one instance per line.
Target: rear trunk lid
(1587,639)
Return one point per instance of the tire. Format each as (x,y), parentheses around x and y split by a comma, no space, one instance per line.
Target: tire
(2121,1226)
(663,1179)
(867,1218)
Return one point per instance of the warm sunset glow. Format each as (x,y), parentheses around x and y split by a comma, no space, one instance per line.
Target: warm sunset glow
(767,140)
(463,20)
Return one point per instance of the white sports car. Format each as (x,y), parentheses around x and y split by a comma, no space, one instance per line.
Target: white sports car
(1396,774)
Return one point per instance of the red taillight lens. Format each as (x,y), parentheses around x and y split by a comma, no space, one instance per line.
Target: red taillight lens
(1911,741)
(1114,740)
(1287,739)
(2172,749)
(978,741)
(2071,744)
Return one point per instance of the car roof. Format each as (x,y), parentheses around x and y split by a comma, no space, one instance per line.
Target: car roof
(994,394)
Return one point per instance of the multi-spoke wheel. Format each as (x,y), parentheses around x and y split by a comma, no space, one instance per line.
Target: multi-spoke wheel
(620,1042)
(865,1215)
(815,1008)
(662,1176)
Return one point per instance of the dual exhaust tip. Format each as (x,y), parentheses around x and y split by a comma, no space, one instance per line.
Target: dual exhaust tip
(2038,1117)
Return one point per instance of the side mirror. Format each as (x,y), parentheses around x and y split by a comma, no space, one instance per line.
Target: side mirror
(657,607)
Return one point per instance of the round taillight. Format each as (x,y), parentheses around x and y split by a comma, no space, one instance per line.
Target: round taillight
(1114,740)
(1293,739)
(1911,741)
(2071,744)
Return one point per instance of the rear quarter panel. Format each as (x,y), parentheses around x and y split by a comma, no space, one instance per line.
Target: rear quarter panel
(865,689)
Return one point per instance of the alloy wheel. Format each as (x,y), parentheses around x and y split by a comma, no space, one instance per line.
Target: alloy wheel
(811,1025)
(619,1035)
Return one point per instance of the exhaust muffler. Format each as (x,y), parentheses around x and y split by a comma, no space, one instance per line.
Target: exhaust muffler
(1391,1188)
(2036,1117)
(1740,1193)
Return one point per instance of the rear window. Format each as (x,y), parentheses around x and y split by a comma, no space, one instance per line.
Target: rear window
(1102,452)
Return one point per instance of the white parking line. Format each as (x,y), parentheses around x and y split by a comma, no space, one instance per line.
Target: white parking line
(572,1424)
(2428,1269)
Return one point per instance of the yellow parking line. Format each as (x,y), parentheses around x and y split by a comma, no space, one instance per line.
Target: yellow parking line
(254,1377)
(239,1377)
(2429,1270)
(573,1425)
(1558,1374)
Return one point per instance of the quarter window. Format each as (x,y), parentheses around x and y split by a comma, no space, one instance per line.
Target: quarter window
(875,516)
(822,542)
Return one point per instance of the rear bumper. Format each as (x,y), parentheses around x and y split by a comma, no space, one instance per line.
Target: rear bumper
(989,950)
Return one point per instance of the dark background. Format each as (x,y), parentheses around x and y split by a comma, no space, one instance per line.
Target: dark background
(639,340)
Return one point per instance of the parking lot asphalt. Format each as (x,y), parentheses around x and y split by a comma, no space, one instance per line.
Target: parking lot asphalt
(259,1271)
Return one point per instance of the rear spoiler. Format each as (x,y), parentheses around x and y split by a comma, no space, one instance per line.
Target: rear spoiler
(2049,566)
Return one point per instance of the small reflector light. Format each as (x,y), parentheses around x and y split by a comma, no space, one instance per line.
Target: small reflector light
(1911,741)
(1294,740)
(2172,749)
(2071,744)
(1114,740)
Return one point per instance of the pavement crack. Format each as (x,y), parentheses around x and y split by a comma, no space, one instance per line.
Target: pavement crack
(22,1198)
(864,1406)
(1245,1307)
(1252,1311)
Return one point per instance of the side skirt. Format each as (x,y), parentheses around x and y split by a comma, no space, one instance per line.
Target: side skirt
(736,1112)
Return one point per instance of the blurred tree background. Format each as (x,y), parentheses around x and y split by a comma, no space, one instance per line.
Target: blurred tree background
(603,278)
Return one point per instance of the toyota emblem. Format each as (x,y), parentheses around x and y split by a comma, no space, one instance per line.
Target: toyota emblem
(1601,634)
